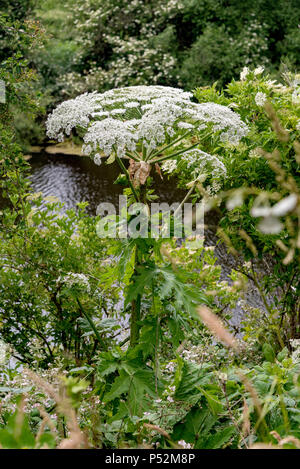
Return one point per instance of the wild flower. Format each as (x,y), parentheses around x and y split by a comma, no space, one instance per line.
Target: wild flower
(184,444)
(77,279)
(259,70)
(3,352)
(295,344)
(222,376)
(170,367)
(296,90)
(275,86)
(137,121)
(203,164)
(260,98)
(244,73)
(169,166)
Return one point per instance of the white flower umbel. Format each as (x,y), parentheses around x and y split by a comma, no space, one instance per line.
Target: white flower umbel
(201,163)
(108,135)
(169,166)
(73,113)
(141,122)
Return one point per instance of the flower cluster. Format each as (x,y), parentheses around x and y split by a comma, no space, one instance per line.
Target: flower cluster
(140,120)
(260,98)
(204,163)
(77,279)
(70,114)
(201,166)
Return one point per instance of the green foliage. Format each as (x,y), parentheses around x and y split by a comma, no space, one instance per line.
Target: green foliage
(195,42)
(110,326)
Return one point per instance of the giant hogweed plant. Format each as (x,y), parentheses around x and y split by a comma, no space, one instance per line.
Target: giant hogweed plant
(148,125)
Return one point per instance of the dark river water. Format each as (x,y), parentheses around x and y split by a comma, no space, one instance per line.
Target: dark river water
(75,179)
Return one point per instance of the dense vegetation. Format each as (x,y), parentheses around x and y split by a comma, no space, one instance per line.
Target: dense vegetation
(130,341)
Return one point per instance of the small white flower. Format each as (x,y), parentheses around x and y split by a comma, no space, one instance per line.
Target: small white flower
(185,445)
(259,70)
(244,73)
(295,343)
(223,376)
(97,159)
(260,98)
(170,399)
(185,125)
(247,265)
(169,166)
(77,279)
(170,367)
(132,104)
(115,112)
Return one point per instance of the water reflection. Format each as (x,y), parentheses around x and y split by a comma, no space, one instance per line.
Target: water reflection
(77,179)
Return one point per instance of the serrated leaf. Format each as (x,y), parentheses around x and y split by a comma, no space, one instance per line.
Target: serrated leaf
(218,439)
(192,375)
(119,386)
(196,424)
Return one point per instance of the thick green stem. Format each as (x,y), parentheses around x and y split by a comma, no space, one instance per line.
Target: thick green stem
(136,304)
(122,166)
